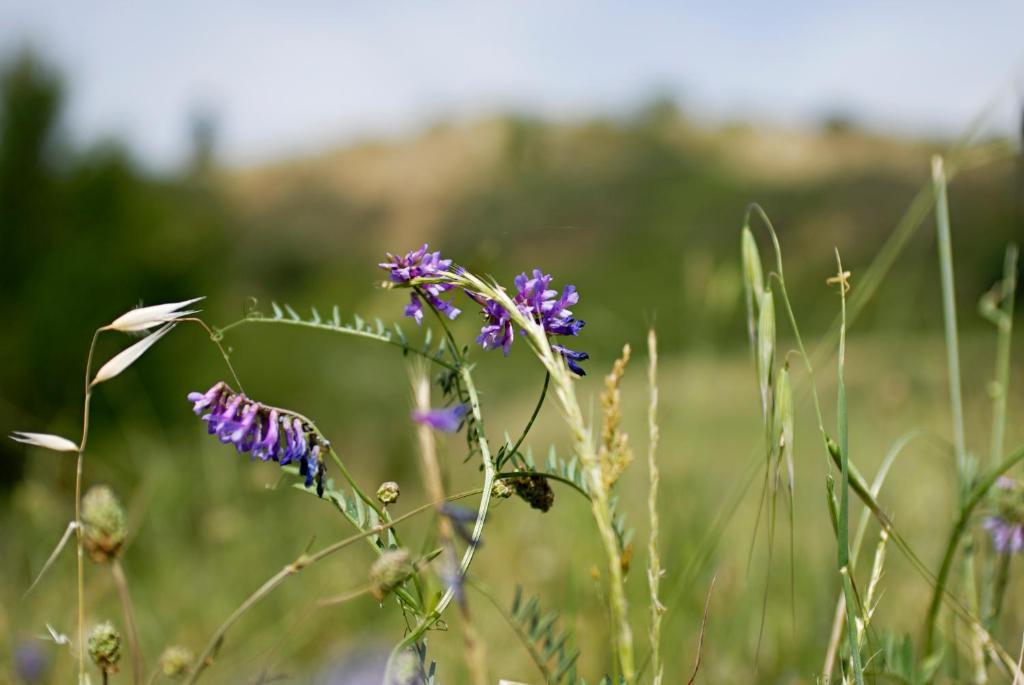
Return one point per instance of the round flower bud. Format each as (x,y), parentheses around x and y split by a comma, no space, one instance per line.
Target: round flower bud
(176,661)
(103,523)
(105,647)
(388,492)
(389,571)
(501,489)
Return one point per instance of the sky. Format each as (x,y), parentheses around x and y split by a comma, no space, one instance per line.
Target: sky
(286,78)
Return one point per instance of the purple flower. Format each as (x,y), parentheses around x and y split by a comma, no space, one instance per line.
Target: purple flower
(571,357)
(266,433)
(535,299)
(422,264)
(461,518)
(445,420)
(1007,536)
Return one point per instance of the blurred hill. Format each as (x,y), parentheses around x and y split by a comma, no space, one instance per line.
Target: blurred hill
(642,214)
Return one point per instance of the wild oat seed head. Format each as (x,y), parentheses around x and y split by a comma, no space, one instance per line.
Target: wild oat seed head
(103,523)
(45,440)
(105,647)
(753,276)
(176,661)
(388,492)
(144,318)
(125,358)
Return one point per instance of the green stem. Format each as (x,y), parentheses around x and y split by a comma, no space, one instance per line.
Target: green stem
(467,558)
(1003,348)
(843,551)
(303,561)
(967,508)
(529,424)
(542,474)
(949,312)
(78,509)
(367,335)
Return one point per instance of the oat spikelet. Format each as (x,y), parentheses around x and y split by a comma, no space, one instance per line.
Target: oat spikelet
(615,454)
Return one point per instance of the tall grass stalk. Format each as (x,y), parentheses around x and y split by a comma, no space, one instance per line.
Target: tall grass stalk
(79,533)
(1003,317)
(843,541)
(476,659)
(485,499)
(949,310)
(654,570)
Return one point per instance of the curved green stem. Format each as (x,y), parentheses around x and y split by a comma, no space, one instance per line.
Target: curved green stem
(366,335)
(509,454)
(972,501)
(542,474)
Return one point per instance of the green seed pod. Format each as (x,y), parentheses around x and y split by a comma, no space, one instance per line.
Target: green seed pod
(784,420)
(501,489)
(830,501)
(766,347)
(103,523)
(389,571)
(105,647)
(388,492)
(176,661)
(753,276)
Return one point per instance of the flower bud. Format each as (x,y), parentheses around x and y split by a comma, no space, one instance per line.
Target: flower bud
(103,523)
(388,492)
(176,661)
(105,647)
(389,571)
(501,490)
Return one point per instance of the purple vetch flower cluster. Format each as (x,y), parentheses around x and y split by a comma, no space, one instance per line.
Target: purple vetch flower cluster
(266,433)
(535,299)
(422,264)
(1006,526)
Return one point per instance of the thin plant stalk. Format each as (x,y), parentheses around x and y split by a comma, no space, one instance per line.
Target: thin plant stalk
(476,659)
(949,310)
(1003,347)
(843,542)
(121,583)
(654,570)
(79,534)
(300,563)
(490,474)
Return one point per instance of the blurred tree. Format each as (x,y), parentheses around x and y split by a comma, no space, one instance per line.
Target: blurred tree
(85,235)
